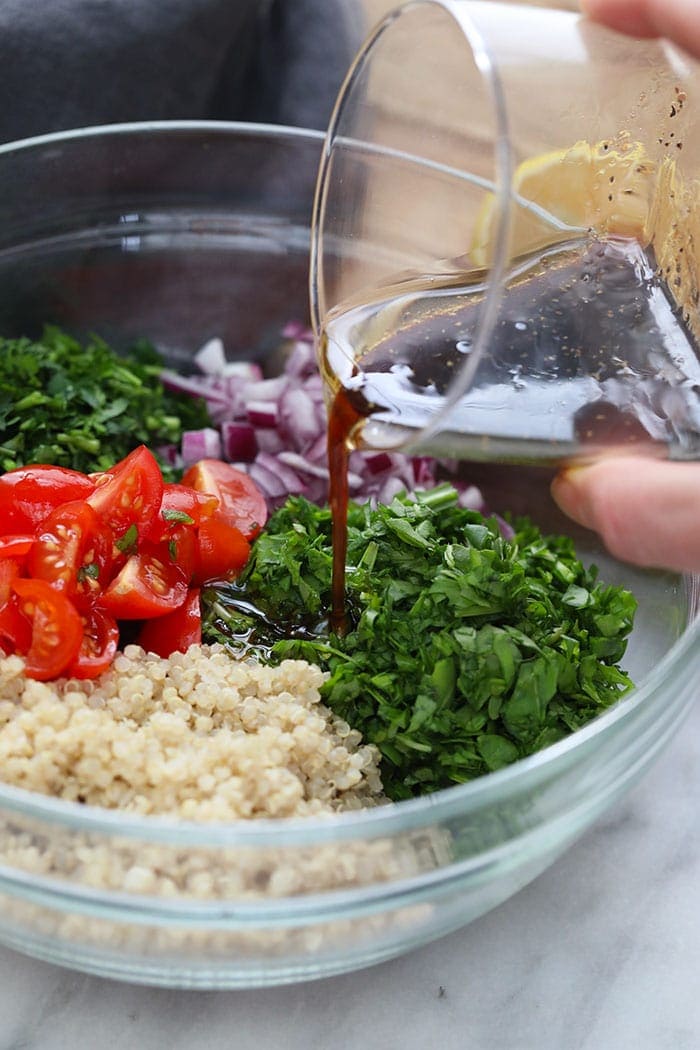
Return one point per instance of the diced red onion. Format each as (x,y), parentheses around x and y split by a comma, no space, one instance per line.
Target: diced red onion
(268,481)
(275,429)
(297,418)
(314,385)
(378,463)
(390,488)
(200,444)
(301,361)
(423,472)
(267,389)
(239,441)
(318,452)
(469,496)
(211,358)
(194,387)
(301,463)
(290,479)
(269,440)
(249,371)
(169,454)
(262,413)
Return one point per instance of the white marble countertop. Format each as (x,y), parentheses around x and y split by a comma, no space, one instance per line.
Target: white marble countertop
(602,952)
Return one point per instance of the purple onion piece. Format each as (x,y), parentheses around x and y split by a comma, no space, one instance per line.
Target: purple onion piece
(200,444)
(239,442)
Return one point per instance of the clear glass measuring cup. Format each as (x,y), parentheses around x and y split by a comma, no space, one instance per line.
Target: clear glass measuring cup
(506,237)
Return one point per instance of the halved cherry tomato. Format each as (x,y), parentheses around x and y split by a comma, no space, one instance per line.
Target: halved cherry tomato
(56,628)
(9,571)
(98,647)
(73,552)
(183,549)
(29,494)
(16,545)
(15,629)
(223,550)
(177,631)
(150,584)
(241,503)
(129,494)
(181,505)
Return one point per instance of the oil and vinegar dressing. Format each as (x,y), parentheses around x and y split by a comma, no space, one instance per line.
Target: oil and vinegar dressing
(589,354)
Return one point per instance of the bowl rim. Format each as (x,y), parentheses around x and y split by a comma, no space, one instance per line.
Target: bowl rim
(246,129)
(368,823)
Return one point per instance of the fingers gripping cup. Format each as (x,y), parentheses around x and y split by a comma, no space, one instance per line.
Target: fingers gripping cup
(504,251)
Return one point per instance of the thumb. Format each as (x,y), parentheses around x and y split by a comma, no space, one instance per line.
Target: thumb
(646,511)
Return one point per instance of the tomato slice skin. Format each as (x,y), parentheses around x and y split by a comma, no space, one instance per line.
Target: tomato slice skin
(129,494)
(177,631)
(183,549)
(29,494)
(241,503)
(223,551)
(9,571)
(73,552)
(56,628)
(16,545)
(15,629)
(150,584)
(181,505)
(98,646)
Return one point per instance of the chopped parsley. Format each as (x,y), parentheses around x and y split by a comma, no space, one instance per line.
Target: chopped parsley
(466,651)
(179,517)
(82,405)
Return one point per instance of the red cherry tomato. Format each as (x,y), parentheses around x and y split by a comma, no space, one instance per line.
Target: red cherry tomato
(129,494)
(183,549)
(16,546)
(241,503)
(29,494)
(177,631)
(180,505)
(15,629)
(56,628)
(223,550)
(9,571)
(73,552)
(98,647)
(150,584)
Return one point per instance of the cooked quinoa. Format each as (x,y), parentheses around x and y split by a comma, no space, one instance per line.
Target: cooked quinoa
(198,735)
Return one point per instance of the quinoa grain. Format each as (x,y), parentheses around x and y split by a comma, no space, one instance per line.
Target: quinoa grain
(198,735)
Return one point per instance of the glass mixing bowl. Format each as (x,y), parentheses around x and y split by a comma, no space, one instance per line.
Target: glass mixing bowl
(180,232)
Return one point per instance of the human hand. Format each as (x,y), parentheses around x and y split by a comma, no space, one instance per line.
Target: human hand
(646,511)
(679,20)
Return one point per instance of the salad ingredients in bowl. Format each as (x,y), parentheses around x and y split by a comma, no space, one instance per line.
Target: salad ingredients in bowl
(470,645)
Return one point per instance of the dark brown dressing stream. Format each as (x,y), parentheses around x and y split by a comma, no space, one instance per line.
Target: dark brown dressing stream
(343,420)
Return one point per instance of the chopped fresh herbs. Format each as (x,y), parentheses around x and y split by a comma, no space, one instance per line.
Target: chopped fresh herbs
(91,571)
(178,517)
(84,406)
(127,543)
(466,650)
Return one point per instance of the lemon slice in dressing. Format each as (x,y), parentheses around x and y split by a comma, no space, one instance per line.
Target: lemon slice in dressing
(607,187)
